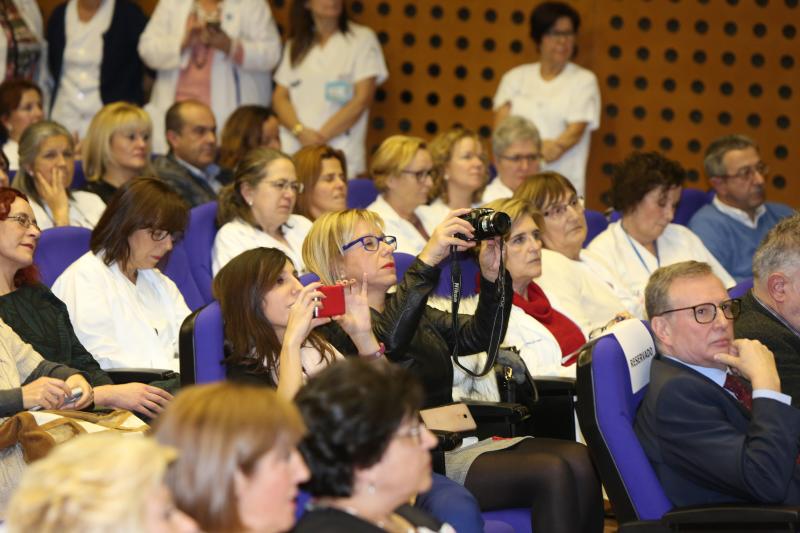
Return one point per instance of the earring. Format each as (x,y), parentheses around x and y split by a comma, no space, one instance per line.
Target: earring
(371,487)
(249,202)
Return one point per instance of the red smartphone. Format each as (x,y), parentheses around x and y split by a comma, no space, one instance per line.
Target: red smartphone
(333,303)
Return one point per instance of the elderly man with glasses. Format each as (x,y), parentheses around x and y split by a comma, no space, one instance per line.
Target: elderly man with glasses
(733,224)
(713,421)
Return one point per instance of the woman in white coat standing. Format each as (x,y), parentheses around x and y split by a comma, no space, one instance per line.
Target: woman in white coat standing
(218,52)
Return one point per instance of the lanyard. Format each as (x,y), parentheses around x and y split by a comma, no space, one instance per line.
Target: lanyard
(636,251)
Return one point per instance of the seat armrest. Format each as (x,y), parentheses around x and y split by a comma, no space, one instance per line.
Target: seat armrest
(550,385)
(139,375)
(479,410)
(447,440)
(740,516)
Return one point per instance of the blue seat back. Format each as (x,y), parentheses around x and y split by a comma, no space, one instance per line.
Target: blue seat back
(201,346)
(58,248)
(741,288)
(596,223)
(469,276)
(606,409)
(78,178)
(691,201)
(401,263)
(198,243)
(360,193)
(179,270)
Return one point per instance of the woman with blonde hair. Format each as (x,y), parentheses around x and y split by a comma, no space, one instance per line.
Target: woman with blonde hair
(239,467)
(256,209)
(402,170)
(116,148)
(323,172)
(46,168)
(99,483)
(459,175)
(249,127)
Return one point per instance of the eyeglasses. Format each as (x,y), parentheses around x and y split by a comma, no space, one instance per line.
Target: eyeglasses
(555,34)
(285,185)
(557,211)
(24,220)
(371,243)
(412,432)
(519,158)
(161,234)
(420,175)
(707,313)
(748,173)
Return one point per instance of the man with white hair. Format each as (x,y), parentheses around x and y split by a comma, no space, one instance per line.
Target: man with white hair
(711,435)
(771,311)
(517,150)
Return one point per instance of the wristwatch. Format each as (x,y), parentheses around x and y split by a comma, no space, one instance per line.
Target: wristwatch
(297,129)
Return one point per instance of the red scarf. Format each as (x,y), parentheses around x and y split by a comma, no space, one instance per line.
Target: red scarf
(566,332)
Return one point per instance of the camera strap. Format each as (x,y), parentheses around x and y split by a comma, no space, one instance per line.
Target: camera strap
(455,299)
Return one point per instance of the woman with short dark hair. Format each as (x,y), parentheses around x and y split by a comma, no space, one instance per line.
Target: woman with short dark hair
(125,311)
(559,97)
(21,105)
(249,127)
(646,189)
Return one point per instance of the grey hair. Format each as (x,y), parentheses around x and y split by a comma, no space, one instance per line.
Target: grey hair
(513,129)
(29,145)
(656,294)
(712,161)
(780,249)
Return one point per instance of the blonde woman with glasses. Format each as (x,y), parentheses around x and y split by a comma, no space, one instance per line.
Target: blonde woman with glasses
(256,209)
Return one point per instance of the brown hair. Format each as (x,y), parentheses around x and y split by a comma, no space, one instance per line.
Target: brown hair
(28,275)
(240,287)
(543,188)
(308,165)
(220,429)
(640,173)
(301,30)
(251,170)
(11,92)
(141,203)
(242,133)
(441,149)
(656,294)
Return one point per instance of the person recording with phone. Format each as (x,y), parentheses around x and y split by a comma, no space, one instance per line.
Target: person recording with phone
(271,339)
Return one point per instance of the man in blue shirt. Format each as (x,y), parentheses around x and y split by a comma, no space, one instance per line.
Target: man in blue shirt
(734,223)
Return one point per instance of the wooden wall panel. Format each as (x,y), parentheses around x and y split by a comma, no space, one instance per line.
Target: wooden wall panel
(674,74)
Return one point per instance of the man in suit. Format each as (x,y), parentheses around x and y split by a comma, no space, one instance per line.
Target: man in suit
(710,435)
(190,165)
(771,311)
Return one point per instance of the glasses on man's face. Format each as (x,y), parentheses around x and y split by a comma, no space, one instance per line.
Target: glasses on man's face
(161,234)
(707,313)
(517,159)
(371,243)
(285,185)
(24,220)
(556,211)
(748,173)
(419,175)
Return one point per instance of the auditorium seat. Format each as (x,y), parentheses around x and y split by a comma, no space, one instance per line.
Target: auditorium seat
(179,270)
(201,346)
(198,242)
(691,202)
(360,193)
(596,223)
(741,288)
(469,277)
(78,178)
(58,248)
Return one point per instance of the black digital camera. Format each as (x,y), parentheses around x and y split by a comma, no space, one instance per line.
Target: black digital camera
(486,224)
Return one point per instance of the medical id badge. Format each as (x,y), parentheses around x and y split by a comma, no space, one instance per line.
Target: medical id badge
(338,91)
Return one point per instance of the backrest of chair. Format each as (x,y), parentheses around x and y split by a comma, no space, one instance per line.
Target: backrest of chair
(58,248)
(469,276)
(307,278)
(360,193)
(78,177)
(606,408)
(596,223)
(179,270)
(401,263)
(201,346)
(198,242)
(741,288)
(691,201)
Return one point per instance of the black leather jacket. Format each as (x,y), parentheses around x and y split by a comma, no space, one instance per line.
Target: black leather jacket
(420,338)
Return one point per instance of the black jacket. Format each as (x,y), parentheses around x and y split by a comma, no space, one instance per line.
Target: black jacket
(421,338)
(121,70)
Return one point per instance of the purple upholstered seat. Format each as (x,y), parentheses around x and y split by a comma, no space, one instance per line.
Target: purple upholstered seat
(58,248)
(360,193)
(596,223)
(201,346)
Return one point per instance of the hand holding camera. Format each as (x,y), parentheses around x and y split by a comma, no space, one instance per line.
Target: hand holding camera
(453,231)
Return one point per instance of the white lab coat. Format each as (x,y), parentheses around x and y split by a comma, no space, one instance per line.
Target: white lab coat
(409,240)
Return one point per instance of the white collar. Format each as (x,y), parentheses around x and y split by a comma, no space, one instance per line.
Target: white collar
(738,214)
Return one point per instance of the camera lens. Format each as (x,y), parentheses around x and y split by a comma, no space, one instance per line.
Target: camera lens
(495,224)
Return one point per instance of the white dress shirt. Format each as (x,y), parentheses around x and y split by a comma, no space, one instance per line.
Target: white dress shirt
(496,190)
(122,324)
(409,239)
(238,236)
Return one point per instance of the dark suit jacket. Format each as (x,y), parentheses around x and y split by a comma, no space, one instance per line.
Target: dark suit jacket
(756,322)
(706,448)
(193,189)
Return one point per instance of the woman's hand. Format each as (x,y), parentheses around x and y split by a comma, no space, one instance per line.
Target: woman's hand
(139,397)
(215,37)
(46,392)
(438,246)
(193,32)
(54,194)
(86,399)
(489,258)
(309,137)
(301,315)
(357,320)
(551,150)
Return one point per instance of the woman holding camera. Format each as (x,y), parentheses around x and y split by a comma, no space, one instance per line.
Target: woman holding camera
(556,477)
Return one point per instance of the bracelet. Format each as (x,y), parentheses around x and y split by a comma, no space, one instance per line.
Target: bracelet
(297,129)
(375,355)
